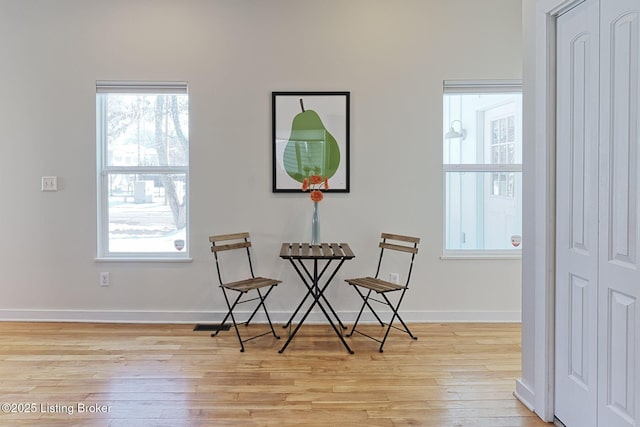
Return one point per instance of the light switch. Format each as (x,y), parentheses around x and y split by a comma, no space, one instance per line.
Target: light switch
(49,183)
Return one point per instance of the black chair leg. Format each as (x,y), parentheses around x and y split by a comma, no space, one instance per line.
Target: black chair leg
(266,313)
(394,309)
(232,307)
(233,319)
(395,315)
(365,303)
(353,329)
(223,322)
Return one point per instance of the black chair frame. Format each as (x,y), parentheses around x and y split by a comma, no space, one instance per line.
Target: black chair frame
(242,287)
(366,286)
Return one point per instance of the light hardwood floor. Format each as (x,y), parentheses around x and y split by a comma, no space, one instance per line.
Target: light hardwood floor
(169,375)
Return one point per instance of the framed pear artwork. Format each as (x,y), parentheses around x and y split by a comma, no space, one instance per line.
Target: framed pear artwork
(310,137)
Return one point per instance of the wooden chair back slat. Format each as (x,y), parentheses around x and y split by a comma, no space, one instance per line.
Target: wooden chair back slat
(400,237)
(243,237)
(219,248)
(399,243)
(234,236)
(401,248)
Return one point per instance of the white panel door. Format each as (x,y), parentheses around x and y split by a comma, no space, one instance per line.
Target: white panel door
(577,216)
(619,265)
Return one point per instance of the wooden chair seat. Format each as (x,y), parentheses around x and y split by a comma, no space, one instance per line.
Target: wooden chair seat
(376,285)
(251,284)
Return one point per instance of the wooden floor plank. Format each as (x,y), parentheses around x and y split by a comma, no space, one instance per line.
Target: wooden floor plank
(168,375)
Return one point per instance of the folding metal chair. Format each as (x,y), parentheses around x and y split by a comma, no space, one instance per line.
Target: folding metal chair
(365,286)
(241,241)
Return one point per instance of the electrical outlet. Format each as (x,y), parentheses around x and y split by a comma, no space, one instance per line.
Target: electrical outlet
(49,183)
(394,278)
(104,278)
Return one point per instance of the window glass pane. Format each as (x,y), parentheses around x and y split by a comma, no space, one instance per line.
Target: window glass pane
(147,130)
(483,210)
(146,212)
(475,123)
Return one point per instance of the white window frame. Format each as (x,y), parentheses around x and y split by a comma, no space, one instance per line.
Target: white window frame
(103,170)
(473,87)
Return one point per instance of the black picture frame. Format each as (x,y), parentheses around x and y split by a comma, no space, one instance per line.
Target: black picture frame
(333,110)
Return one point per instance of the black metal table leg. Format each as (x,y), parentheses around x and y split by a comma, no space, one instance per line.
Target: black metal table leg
(317,293)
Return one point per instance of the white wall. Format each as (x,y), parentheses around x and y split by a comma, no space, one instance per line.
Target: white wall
(392,56)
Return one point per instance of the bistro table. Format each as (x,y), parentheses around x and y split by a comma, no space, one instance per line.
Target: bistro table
(296,253)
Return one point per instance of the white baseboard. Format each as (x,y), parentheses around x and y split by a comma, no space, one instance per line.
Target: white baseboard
(525,395)
(150,316)
(108,316)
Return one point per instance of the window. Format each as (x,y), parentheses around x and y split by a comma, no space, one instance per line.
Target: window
(143,170)
(482,166)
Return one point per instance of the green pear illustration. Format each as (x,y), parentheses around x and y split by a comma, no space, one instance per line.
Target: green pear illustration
(311,149)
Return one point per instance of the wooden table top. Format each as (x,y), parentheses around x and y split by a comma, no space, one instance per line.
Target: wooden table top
(321,251)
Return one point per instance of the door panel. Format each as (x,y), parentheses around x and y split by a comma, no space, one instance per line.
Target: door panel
(621,331)
(623,162)
(579,331)
(619,274)
(577,216)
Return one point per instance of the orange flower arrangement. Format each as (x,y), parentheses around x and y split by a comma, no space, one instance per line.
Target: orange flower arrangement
(313,183)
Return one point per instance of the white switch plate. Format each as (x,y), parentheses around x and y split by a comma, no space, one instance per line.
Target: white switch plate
(49,183)
(104,278)
(394,278)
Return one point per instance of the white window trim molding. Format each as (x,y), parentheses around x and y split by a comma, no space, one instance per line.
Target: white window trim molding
(482,86)
(150,87)
(488,254)
(478,86)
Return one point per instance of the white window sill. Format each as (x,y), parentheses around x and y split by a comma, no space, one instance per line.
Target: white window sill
(483,255)
(142,259)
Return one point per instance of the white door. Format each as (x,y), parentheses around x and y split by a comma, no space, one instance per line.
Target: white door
(619,264)
(577,216)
